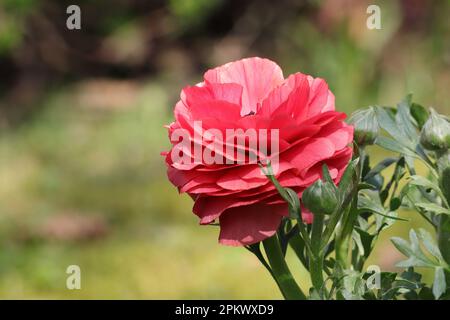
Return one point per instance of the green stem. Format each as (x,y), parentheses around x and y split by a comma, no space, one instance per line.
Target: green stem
(304,234)
(362,159)
(343,235)
(280,270)
(316,260)
(316,272)
(330,228)
(342,251)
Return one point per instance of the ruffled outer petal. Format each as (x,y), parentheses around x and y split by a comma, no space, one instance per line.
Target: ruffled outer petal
(246,225)
(258,77)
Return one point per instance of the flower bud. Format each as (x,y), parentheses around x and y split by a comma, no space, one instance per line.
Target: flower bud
(320,197)
(435,133)
(366,126)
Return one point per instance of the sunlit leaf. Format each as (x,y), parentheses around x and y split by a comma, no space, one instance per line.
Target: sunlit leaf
(432,207)
(439,284)
(419,114)
(403,119)
(380,167)
(412,250)
(427,184)
(395,146)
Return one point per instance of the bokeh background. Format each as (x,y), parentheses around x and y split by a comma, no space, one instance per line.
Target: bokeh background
(81,129)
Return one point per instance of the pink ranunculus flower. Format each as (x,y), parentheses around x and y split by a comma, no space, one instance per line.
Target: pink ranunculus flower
(253,94)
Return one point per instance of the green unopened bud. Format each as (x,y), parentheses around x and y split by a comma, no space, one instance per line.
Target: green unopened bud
(366,126)
(320,198)
(435,133)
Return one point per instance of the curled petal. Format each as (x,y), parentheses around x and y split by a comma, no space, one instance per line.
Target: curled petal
(250,224)
(257,77)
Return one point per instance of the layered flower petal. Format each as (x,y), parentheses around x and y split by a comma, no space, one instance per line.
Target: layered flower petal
(250,224)
(243,114)
(258,77)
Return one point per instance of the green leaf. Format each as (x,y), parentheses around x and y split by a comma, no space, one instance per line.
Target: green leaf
(370,201)
(427,184)
(365,164)
(363,186)
(388,288)
(412,250)
(294,204)
(415,260)
(445,183)
(376,181)
(314,295)
(439,284)
(348,176)
(393,145)
(432,207)
(407,283)
(430,244)
(380,167)
(426,294)
(387,122)
(357,239)
(400,125)
(348,183)
(403,120)
(419,114)
(366,241)
(411,195)
(326,174)
(386,220)
(411,276)
(365,124)
(423,182)
(399,172)
(353,285)
(395,203)
(289,195)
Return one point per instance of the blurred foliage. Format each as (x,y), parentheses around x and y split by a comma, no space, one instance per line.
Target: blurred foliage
(191,13)
(81,129)
(12,23)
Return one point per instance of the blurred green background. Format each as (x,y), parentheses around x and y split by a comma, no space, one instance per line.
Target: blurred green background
(81,129)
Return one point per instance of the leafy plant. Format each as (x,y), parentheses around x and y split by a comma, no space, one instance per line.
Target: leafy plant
(349,216)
